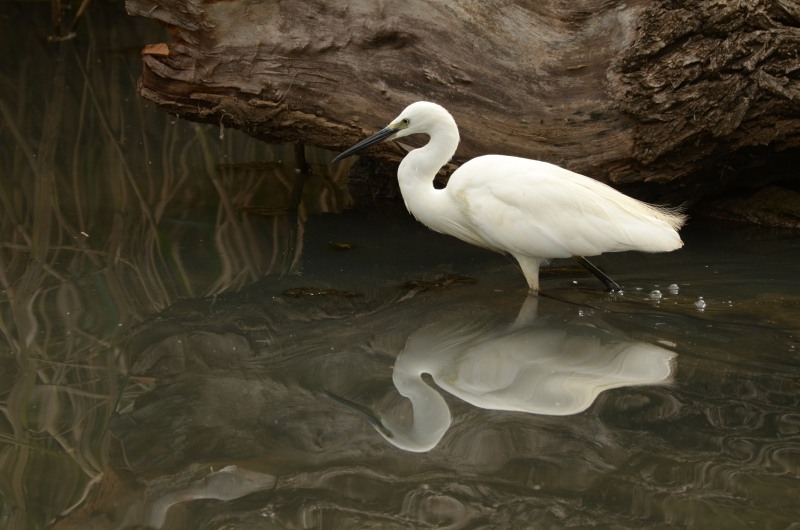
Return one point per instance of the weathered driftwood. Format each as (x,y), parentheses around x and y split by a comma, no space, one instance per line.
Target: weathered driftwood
(646,94)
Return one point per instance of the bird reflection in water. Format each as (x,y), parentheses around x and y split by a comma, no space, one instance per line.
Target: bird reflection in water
(553,369)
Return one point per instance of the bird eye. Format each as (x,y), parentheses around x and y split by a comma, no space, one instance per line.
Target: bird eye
(404,122)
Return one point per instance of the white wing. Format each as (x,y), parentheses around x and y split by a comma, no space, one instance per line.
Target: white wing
(531,208)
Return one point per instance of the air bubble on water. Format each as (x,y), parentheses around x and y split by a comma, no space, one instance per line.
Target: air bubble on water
(700,304)
(655,294)
(673,288)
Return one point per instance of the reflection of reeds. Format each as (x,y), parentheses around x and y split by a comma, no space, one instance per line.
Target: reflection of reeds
(106,208)
(60,31)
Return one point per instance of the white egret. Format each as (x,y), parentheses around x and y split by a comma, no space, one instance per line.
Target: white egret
(532,210)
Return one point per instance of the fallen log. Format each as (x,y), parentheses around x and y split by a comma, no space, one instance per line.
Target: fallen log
(667,102)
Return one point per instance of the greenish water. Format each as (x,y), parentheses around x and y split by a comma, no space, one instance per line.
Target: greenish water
(193,334)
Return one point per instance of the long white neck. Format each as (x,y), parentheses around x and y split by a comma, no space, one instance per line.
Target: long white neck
(423,163)
(431,416)
(419,167)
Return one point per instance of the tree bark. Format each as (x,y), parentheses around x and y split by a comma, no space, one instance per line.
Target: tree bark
(666,101)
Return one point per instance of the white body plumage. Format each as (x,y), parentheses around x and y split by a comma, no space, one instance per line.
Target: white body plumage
(530,209)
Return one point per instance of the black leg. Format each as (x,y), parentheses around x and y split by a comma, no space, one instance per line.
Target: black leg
(610,284)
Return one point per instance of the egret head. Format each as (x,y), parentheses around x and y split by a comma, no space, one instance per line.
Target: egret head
(420,117)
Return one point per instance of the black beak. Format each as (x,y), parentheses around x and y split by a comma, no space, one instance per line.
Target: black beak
(383,134)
